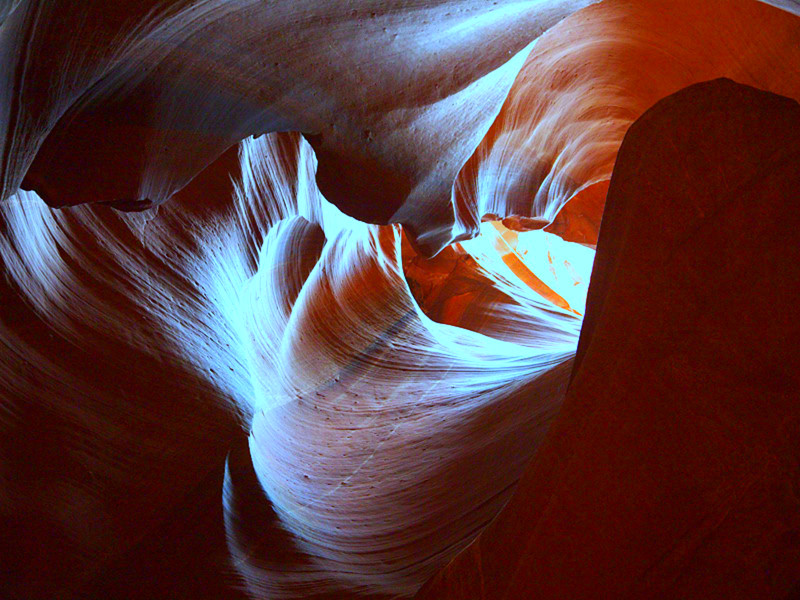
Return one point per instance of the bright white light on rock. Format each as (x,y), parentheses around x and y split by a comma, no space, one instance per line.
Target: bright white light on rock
(557,270)
(380,436)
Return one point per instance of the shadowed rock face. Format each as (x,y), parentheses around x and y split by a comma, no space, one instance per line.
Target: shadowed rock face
(672,470)
(394,97)
(230,368)
(140,97)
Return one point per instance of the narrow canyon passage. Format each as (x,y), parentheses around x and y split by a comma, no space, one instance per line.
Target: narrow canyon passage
(383,299)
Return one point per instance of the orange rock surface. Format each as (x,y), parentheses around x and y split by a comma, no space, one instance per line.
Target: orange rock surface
(591,76)
(672,470)
(292,293)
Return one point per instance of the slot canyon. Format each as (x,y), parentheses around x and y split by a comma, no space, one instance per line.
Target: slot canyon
(399,299)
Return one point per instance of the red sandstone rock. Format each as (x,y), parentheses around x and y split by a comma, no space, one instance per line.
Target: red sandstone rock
(592,75)
(141,348)
(672,471)
(135,350)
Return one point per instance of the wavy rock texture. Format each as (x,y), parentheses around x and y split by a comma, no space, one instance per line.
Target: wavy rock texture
(381,439)
(365,445)
(672,470)
(229,364)
(549,154)
(139,97)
